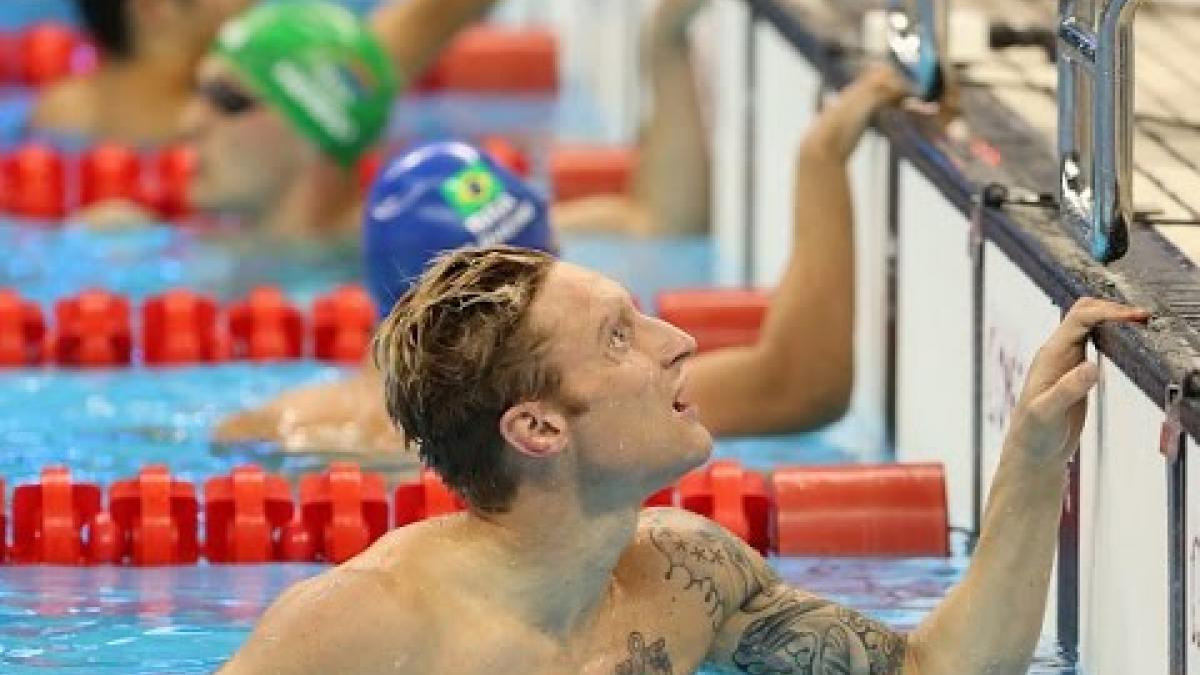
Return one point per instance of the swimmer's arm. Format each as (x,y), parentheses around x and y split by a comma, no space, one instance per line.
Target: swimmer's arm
(800,373)
(769,627)
(669,190)
(760,624)
(672,181)
(991,622)
(343,416)
(988,624)
(414,31)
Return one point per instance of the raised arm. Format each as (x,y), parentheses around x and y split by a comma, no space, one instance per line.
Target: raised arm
(800,373)
(991,622)
(988,624)
(414,31)
(670,190)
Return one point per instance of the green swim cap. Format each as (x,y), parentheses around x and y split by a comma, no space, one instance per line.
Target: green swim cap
(321,66)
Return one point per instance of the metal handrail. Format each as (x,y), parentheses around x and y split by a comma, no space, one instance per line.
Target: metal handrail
(1095,123)
(913,42)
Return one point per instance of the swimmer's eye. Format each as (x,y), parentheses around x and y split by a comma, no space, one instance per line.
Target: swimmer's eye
(620,337)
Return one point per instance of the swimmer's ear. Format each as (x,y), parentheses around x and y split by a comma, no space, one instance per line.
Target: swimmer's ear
(534,429)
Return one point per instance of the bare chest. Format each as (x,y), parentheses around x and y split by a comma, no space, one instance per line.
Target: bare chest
(654,634)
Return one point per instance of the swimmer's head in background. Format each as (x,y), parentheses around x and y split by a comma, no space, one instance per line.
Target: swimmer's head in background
(321,67)
(438,197)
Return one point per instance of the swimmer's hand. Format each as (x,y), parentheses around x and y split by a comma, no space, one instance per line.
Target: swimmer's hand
(990,623)
(1050,412)
(886,84)
(115,215)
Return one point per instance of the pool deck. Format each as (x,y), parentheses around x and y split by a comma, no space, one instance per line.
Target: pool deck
(1159,271)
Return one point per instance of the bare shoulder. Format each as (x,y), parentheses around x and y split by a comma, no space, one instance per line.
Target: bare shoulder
(348,619)
(689,552)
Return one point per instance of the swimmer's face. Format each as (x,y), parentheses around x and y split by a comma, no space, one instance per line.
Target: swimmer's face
(246,153)
(627,370)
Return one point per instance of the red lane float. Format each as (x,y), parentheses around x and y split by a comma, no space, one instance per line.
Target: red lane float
(427,497)
(243,514)
(157,515)
(734,498)
(109,171)
(367,169)
(173,168)
(22,331)
(249,516)
(46,53)
(579,171)
(345,510)
(266,327)
(92,330)
(878,510)
(493,60)
(716,317)
(49,520)
(343,324)
(506,154)
(35,182)
(181,327)
(664,497)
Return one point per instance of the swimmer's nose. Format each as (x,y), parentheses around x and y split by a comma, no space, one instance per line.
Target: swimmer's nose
(194,119)
(680,346)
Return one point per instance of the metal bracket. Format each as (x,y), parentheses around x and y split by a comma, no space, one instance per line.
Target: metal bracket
(912,34)
(1173,445)
(1095,122)
(1172,437)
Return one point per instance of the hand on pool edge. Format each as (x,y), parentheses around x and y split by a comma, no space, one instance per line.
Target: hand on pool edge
(1050,412)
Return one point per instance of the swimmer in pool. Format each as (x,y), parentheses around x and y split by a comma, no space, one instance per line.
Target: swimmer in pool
(287,99)
(799,374)
(669,191)
(541,394)
(149,51)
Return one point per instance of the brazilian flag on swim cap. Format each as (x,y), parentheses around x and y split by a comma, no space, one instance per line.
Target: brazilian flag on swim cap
(321,67)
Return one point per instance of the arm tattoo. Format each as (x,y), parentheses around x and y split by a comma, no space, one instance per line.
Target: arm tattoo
(708,563)
(808,636)
(645,659)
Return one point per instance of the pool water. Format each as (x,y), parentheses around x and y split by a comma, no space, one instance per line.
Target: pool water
(107,424)
(106,621)
(109,621)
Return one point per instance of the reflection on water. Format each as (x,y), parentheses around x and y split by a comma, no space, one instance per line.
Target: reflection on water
(106,425)
(109,621)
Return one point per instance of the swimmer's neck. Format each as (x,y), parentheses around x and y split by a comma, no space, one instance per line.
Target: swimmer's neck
(555,572)
(322,199)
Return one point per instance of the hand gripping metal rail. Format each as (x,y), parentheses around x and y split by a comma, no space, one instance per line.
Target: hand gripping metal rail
(1095,122)
(913,32)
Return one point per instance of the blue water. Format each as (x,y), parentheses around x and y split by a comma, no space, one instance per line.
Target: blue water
(110,621)
(106,425)
(190,620)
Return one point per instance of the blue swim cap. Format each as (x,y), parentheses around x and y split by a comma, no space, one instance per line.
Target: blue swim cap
(438,197)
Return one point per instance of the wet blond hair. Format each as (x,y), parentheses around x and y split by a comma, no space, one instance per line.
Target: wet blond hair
(456,352)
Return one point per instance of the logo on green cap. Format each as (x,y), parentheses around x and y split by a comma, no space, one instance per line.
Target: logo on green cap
(471,189)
